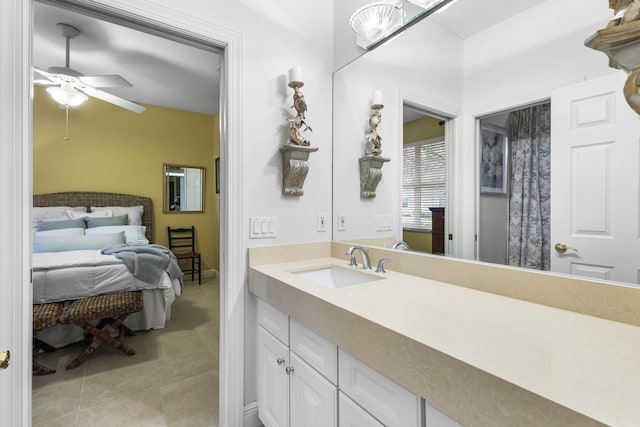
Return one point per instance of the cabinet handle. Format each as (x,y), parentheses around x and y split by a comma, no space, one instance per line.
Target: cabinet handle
(280,361)
(289,370)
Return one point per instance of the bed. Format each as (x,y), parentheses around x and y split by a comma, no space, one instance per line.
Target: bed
(73,271)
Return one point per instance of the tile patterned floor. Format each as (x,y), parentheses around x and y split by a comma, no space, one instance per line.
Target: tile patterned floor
(171,381)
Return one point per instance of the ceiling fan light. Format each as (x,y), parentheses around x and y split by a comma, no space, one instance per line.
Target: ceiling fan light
(67,96)
(375,20)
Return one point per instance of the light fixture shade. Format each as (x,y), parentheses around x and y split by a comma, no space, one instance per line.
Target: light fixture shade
(67,96)
(375,20)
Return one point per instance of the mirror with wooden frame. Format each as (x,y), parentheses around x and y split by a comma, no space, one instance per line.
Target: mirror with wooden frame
(183,189)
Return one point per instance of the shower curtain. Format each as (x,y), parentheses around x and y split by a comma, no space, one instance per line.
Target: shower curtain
(529,205)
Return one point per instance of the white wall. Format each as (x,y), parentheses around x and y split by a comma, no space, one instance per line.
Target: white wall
(429,75)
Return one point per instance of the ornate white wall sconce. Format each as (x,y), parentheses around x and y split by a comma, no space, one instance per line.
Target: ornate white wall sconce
(295,152)
(620,41)
(372,161)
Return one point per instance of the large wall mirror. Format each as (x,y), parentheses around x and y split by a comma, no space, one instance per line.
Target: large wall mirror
(183,189)
(467,66)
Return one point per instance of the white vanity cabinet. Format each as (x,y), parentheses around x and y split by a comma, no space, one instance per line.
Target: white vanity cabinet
(304,380)
(291,389)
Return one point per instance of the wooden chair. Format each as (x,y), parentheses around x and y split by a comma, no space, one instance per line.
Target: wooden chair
(182,242)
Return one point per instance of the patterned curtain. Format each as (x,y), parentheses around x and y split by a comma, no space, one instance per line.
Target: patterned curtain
(529,204)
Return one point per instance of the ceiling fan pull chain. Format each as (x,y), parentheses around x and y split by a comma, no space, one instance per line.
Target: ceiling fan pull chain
(66,112)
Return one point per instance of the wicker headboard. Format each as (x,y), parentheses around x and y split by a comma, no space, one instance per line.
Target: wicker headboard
(88,199)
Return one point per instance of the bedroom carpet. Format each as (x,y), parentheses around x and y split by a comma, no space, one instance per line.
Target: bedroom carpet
(171,381)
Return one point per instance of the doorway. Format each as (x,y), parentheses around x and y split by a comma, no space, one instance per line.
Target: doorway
(202,45)
(424,180)
(514,149)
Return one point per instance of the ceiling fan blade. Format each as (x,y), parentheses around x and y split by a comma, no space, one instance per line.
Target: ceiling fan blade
(42,82)
(113,99)
(105,81)
(44,77)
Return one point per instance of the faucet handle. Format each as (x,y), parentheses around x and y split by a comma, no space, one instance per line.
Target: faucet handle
(380,268)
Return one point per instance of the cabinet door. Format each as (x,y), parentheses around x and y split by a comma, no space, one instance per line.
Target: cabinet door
(393,405)
(314,400)
(321,354)
(352,415)
(273,382)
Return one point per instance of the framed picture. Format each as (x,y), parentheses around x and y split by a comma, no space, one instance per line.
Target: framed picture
(217,174)
(493,159)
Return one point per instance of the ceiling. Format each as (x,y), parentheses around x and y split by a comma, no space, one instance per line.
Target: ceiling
(163,72)
(172,74)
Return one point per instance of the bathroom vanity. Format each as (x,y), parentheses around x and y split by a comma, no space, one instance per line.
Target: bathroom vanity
(481,356)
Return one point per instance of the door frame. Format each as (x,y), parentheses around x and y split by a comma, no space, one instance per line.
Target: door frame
(16,110)
(449,114)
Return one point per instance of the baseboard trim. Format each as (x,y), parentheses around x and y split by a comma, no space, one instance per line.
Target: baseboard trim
(251,415)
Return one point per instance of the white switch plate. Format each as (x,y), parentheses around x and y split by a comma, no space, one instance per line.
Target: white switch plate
(263,227)
(384,223)
(342,221)
(322,222)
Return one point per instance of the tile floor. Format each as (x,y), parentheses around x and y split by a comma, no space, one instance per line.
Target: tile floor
(171,381)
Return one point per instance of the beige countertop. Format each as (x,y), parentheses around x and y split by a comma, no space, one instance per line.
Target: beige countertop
(472,354)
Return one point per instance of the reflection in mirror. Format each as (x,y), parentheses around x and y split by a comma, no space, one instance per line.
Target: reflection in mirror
(183,189)
(424,181)
(470,62)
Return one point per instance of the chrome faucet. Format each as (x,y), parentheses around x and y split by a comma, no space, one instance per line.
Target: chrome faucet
(366,263)
(381,262)
(401,245)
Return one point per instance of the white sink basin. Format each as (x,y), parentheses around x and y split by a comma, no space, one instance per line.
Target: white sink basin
(333,276)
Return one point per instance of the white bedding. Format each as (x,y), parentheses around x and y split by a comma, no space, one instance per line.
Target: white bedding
(63,276)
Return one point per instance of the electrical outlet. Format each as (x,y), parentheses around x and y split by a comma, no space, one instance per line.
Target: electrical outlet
(342,221)
(322,222)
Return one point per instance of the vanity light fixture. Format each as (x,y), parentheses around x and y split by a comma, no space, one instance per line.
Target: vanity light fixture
(430,4)
(374,21)
(66,95)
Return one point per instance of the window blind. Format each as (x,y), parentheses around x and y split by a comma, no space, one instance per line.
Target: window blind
(423,182)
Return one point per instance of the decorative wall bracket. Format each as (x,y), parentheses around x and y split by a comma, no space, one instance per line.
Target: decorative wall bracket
(620,41)
(370,174)
(295,167)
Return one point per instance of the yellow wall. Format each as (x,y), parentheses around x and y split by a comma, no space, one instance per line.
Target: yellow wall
(419,130)
(112,149)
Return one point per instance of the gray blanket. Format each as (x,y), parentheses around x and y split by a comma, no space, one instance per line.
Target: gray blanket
(148,262)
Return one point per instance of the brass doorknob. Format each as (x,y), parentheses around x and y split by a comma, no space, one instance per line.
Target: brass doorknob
(562,248)
(4,359)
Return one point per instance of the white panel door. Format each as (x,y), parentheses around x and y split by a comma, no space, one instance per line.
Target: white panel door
(273,382)
(313,399)
(594,181)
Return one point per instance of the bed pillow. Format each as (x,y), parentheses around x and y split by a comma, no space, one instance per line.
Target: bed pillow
(52,213)
(102,222)
(76,215)
(56,225)
(133,234)
(134,212)
(76,243)
(61,232)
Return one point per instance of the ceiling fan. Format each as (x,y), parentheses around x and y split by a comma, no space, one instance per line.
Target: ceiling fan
(70,87)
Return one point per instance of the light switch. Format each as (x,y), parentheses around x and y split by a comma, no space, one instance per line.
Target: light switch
(322,222)
(342,221)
